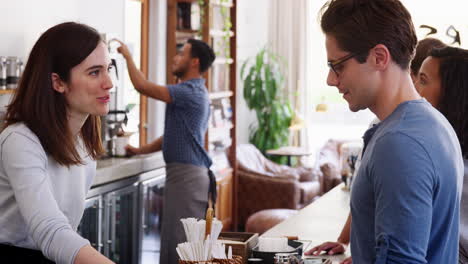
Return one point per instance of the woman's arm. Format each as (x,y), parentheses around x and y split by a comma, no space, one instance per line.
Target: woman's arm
(26,166)
(88,255)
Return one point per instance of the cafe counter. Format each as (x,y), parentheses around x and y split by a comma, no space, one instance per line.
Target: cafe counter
(318,222)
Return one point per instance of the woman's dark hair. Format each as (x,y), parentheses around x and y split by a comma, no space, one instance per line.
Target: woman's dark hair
(359,25)
(44,110)
(203,52)
(453,103)
(423,48)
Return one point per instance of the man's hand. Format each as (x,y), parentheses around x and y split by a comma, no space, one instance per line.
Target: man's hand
(348,260)
(132,151)
(331,248)
(123,49)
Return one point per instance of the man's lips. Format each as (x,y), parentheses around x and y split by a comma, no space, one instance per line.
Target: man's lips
(344,92)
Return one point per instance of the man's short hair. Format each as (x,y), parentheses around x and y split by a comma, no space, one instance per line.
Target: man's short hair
(359,25)
(203,52)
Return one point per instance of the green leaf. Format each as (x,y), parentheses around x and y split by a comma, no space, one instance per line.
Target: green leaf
(262,82)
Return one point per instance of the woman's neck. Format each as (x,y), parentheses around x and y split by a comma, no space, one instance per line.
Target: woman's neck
(76,122)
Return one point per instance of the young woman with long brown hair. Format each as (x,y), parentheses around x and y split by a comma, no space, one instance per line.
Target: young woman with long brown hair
(49,147)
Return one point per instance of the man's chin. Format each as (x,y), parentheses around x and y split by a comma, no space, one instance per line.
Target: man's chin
(354,108)
(177,74)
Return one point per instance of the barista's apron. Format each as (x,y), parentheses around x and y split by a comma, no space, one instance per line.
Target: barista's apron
(185,195)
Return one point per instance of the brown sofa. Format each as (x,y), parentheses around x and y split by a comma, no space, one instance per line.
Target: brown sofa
(264,184)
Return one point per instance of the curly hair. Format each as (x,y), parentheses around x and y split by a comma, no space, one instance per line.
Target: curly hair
(454,86)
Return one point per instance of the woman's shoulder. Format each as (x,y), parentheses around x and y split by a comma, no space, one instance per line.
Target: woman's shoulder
(20,130)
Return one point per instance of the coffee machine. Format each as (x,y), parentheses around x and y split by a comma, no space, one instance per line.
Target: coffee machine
(3,73)
(113,123)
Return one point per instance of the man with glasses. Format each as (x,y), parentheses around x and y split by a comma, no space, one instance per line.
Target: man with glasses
(405,199)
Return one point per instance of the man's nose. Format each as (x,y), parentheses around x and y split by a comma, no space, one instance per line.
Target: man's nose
(332,79)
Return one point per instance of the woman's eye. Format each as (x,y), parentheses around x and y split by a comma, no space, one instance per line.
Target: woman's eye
(94,73)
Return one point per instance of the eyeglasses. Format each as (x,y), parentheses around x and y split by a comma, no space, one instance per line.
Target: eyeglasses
(333,64)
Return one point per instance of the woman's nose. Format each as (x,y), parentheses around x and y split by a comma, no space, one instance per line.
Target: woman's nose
(107,82)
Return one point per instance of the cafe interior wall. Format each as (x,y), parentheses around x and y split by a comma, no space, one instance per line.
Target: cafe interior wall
(24,20)
(252,19)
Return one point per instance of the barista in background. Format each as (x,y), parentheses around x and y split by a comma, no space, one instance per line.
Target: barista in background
(188,179)
(49,148)
(423,49)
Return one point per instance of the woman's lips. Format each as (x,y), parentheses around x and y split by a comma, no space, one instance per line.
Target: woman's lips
(104,99)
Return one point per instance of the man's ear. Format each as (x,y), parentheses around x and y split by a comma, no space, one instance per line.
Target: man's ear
(381,56)
(195,62)
(57,83)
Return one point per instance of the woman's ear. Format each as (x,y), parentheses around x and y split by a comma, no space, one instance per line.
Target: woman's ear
(57,83)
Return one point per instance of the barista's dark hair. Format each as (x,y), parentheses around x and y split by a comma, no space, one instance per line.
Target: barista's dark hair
(423,48)
(359,25)
(453,103)
(44,110)
(203,52)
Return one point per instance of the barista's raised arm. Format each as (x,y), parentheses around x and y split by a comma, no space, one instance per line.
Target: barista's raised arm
(142,85)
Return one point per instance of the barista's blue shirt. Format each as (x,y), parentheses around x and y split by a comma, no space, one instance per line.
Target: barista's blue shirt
(405,200)
(186,123)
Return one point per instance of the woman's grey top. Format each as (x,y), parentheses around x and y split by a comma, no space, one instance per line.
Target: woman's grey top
(41,201)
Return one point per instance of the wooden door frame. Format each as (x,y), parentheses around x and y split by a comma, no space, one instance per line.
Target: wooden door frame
(143,126)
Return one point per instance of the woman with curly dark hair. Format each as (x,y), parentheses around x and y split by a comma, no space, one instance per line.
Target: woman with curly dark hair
(443,80)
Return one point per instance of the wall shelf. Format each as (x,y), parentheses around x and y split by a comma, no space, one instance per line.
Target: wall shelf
(220,95)
(221,83)
(7,91)
(220,33)
(223,61)
(221,3)
(188,31)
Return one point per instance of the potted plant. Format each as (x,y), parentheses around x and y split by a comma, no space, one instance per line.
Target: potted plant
(263,80)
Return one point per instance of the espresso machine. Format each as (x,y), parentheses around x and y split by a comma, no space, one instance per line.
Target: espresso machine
(14,68)
(114,122)
(3,73)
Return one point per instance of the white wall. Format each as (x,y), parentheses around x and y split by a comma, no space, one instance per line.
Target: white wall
(440,14)
(252,19)
(23,21)
(157,65)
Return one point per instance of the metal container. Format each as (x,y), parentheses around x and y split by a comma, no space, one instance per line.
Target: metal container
(14,68)
(269,257)
(287,258)
(3,73)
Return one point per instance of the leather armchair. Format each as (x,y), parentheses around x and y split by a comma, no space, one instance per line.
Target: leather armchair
(264,184)
(329,160)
